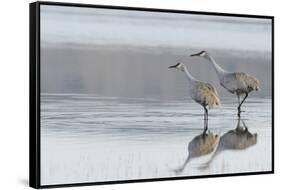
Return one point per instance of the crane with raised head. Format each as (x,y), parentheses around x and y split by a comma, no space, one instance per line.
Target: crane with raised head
(238,83)
(201,92)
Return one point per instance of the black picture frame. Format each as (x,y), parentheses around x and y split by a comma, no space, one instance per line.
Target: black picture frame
(34,98)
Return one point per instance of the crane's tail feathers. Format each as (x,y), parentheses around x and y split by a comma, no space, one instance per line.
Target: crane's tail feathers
(215,101)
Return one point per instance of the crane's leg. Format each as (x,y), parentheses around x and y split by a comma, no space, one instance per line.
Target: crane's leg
(239,107)
(205,120)
(238,124)
(245,126)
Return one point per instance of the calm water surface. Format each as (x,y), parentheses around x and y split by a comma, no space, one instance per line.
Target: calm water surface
(86,138)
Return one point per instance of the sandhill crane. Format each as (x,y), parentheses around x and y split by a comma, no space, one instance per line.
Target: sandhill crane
(203,93)
(238,83)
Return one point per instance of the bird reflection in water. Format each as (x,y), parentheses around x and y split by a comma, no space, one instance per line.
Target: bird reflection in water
(239,138)
(200,145)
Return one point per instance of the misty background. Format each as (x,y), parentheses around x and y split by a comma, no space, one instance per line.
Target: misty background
(124,53)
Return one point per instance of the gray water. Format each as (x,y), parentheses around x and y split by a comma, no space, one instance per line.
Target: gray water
(88,138)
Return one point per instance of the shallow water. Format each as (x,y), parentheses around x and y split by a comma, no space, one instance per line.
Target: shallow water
(87,138)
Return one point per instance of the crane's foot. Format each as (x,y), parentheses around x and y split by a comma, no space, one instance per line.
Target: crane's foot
(239,112)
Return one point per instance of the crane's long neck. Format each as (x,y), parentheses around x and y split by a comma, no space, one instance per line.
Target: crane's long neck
(220,71)
(189,77)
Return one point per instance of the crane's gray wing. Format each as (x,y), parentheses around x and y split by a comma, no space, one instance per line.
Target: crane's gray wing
(240,83)
(232,83)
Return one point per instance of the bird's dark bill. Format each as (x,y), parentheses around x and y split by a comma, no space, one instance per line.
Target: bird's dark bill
(196,54)
(174,66)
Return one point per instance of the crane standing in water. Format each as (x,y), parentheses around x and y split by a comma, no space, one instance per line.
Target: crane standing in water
(201,92)
(238,83)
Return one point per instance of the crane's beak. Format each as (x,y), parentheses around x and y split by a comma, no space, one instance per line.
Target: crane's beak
(195,54)
(173,66)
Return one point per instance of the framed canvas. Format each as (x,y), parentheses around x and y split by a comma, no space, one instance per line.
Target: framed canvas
(126,94)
